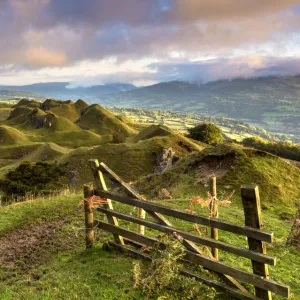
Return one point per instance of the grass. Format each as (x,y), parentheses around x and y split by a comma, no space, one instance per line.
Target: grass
(10,135)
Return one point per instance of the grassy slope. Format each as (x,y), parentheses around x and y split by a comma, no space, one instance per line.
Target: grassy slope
(75,273)
(248,167)
(129,160)
(11,136)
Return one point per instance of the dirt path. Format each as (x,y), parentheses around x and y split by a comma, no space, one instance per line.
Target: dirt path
(34,244)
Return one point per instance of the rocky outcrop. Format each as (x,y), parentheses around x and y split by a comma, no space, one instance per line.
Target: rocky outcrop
(165,160)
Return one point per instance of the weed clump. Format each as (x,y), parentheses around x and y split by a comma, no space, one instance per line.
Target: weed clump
(162,279)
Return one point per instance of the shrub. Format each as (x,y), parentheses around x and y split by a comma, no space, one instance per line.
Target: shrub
(207,133)
(35,178)
(283,149)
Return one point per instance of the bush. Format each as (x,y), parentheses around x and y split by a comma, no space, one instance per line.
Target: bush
(34,178)
(207,133)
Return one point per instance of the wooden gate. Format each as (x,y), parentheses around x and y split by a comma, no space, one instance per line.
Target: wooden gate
(252,230)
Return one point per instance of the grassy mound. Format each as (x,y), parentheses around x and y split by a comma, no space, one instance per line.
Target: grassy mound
(46,152)
(19,114)
(152,131)
(129,160)
(103,122)
(234,166)
(28,103)
(75,139)
(11,136)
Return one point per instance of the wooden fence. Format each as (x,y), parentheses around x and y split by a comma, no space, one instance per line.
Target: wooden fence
(230,276)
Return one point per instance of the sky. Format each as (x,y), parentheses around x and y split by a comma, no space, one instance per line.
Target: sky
(88,42)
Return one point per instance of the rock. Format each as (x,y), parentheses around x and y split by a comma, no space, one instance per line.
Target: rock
(72,176)
(165,194)
(164,160)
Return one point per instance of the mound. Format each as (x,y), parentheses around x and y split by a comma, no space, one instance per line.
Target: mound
(129,160)
(103,122)
(46,152)
(28,103)
(11,136)
(234,166)
(49,104)
(152,131)
(19,114)
(75,139)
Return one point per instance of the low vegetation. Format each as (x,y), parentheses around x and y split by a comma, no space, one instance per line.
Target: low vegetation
(283,149)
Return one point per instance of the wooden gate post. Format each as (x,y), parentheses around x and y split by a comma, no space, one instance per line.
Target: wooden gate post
(214,213)
(100,183)
(253,218)
(89,217)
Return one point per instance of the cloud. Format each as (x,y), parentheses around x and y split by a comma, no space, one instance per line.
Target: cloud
(49,33)
(43,57)
(229,68)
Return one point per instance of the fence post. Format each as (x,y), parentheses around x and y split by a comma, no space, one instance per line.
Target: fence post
(253,218)
(214,213)
(89,217)
(142,215)
(101,184)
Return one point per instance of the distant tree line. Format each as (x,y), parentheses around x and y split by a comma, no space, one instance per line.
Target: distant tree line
(283,149)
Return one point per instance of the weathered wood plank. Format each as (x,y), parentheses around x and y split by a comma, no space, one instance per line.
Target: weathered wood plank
(194,238)
(100,183)
(212,283)
(208,263)
(253,218)
(88,191)
(243,276)
(224,225)
(142,239)
(214,213)
(130,191)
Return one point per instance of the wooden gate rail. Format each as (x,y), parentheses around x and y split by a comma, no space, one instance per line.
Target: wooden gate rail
(204,261)
(263,258)
(252,230)
(212,283)
(207,221)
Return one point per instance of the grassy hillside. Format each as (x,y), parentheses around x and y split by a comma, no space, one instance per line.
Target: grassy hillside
(103,122)
(234,166)
(271,102)
(11,136)
(129,160)
(42,254)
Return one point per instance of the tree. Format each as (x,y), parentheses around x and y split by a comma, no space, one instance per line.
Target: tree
(207,133)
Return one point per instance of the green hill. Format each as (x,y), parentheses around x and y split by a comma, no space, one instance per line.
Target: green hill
(129,160)
(103,122)
(234,166)
(11,136)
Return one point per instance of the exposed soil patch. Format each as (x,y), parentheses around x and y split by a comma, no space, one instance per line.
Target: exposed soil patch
(213,165)
(27,247)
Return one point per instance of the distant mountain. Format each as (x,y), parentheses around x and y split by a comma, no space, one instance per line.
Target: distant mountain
(271,102)
(64,91)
